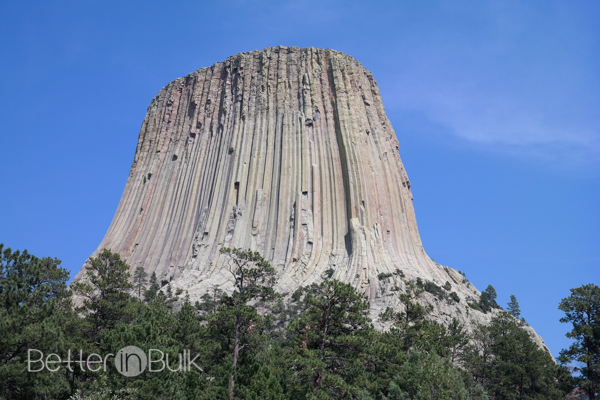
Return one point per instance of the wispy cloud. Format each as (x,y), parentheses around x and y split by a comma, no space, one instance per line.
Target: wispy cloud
(515,76)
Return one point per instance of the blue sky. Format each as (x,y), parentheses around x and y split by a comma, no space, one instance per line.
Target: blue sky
(495,104)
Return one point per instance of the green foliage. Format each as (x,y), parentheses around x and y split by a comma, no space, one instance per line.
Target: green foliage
(474,305)
(319,343)
(264,386)
(447,286)
(153,289)
(104,291)
(491,292)
(237,320)
(100,389)
(582,310)
(139,280)
(453,341)
(329,339)
(210,301)
(513,307)
(487,301)
(408,322)
(159,327)
(427,377)
(34,303)
(434,289)
(382,276)
(454,297)
(507,363)
(328,273)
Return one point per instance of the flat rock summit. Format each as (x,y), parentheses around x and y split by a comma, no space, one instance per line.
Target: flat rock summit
(287,152)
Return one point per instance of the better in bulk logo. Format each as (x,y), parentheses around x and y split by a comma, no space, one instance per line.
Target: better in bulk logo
(129,361)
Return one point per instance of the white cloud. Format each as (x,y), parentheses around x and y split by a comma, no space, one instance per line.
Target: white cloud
(519,77)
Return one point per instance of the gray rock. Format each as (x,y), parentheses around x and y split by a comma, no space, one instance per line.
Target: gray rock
(288,152)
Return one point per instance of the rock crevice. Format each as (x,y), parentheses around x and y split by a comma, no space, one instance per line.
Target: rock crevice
(285,151)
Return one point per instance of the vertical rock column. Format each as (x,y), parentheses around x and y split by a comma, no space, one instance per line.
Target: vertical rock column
(285,151)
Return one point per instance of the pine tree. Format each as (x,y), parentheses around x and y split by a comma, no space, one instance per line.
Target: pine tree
(264,386)
(456,340)
(426,376)
(154,327)
(582,309)
(153,289)
(513,307)
(330,339)
(104,292)
(34,308)
(407,323)
(488,299)
(139,280)
(210,301)
(253,280)
(507,363)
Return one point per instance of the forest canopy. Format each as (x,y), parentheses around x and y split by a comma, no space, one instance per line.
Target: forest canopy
(316,343)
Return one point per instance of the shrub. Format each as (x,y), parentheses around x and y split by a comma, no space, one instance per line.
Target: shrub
(432,288)
(399,273)
(455,297)
(382,276)
(475,306)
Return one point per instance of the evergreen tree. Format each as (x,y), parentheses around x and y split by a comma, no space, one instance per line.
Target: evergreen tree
(582,310)
(455,340)
(479,356)
(210,301)
(488,299)
(510,365)
(253,280)
(330,340)
(264,386)
(323,345)
(154,327)
(153,289)
(104,292)
(427,377)
(513,307)
(34,306)
(408,323)
(139,280)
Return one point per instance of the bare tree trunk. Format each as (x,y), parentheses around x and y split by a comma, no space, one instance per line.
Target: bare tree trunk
(592,391)
(236,351)
(407,337)
(325,330)
(521,386)
(96,324)
(591,372)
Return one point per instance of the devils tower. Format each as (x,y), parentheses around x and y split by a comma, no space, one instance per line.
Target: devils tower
(288,152)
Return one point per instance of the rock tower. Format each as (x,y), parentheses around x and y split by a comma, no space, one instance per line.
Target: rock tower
(288,152)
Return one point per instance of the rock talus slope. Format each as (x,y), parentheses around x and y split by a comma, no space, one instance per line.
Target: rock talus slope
(285,151)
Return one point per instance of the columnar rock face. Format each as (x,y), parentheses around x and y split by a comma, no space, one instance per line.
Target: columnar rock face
(285,151)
